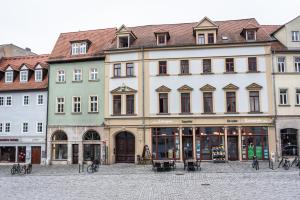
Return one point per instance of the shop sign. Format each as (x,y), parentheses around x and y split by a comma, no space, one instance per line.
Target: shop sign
(187,121)
(232,120)
(161,121)
(9,140)
(256,121)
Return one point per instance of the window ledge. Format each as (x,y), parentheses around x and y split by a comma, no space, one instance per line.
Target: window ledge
(207,73)
(59,113)
(57,82)
(163,113)
(228,113)
(76,113)
(255,112)
(186,74)
(186,113)
(284,105)
(297,105)
(97,80)
(252,72)
(162,75)
(116,77)
(230,73)
(93,112)
(77,81)
(208,113)
(119,115)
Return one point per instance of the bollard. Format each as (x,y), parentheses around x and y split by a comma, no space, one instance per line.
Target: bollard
(82,167)
(79,168)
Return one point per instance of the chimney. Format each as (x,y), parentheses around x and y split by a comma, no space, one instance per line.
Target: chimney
(27,49)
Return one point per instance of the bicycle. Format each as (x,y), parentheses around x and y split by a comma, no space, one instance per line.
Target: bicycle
(93,167)
(296,162)
(18,169)
(285,162)
(255,163)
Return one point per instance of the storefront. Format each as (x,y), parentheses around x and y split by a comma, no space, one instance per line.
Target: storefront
(91,146)
(59,146)
(7,154)
(289,142)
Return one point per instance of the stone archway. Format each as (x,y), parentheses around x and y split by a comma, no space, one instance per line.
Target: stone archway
(91,146)
(125,147)
(59,146)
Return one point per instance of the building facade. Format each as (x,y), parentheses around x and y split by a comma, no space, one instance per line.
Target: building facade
(76,98)
(23,109)
(286,68)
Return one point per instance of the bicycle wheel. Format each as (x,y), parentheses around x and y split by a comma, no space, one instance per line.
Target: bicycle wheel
(23,170)
(280,163)
(286,165)
(257,166)
(90,169)
(13,171)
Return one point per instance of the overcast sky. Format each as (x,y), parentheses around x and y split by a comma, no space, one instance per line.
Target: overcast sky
(37,23)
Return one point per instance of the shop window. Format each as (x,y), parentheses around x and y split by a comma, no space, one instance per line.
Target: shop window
(7,154)
(59,146)
(255,143)
(187,143)
(21,154)
(165,143)
(208,138)
(91,152)
(289,142)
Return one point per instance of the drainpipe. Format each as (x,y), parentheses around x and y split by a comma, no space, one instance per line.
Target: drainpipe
(47,110)
(275,101)
(143,92)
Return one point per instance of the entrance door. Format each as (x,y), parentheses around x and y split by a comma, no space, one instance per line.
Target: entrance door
(125,148)
(187,147)
(36,155)
(75,153)
(233,151)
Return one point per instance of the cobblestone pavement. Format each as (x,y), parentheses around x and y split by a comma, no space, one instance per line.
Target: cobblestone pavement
(233,180)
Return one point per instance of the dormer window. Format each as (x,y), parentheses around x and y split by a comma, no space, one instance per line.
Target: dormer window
(201,39)
(79,48)
(24,76)
(295,36)
(38,75)
(210,38)
(161,39)
(250,35)
(123,41)
(9,76)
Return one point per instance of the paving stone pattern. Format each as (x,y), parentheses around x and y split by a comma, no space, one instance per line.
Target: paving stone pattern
(233,180)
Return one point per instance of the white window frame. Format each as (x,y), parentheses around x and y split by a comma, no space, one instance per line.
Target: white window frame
(295,36)
(75,48)
(247,35)
(24,100)
(24,76)
(76,73)
(297,64)
(2,101)
(93,74)
(11,76)
(76,102)
(82,48)
(10,101)
(36,75)
(60,103)
(198,38)
(283,97)
(37,99)
(165,39)
(281,65)
(37,127)
(9,127)
(61,77)
(22,127)
(93,102)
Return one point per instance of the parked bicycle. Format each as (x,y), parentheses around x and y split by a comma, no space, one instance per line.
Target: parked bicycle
(255,163)
(18,169)
(93,167)
(285,162)
(296,162)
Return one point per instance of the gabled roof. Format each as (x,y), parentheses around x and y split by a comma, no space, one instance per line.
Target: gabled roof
(123,89)
(280,27)
(124,30)
(230,87)
(163,89)
(206,22)
(254,86)
(208,87)
(185,88)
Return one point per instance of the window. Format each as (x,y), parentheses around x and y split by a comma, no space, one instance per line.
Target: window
(77,75)
(184,67)
(289,142)
(201,39)
(39,127)
(129,104)
(295,36)
(123,41)
(60,105)
(129,69)
(208,102)
(185,103)
(117,70)
(1,101)
(211,38)
(297,64)
(40,99)
(117,104)
(79,48)
(252,64)
(230,102)
(161,39)
(281,64)
(25,100)
(163,102)
(9,76)
(76,104)
(162,67)
(1,127)
(8,101)
(250,35)
(93,104)
(254,101)
(61,76)
(229,64)
(283,96)
(38,75)
(298,96)
(25,127)
(94,74)
(24,76)
(206,65)
(7,127)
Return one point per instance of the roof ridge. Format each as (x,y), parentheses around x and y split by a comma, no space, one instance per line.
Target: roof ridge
(98,29)
(26,57)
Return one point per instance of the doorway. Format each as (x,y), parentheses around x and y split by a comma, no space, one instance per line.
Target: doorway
(75,154)
(125,148)
(233,150)
(36,155)
(187,146)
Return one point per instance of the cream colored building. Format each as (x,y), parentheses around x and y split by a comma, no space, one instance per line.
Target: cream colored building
(286,67)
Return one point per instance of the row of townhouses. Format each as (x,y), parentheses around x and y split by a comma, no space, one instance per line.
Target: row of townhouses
(179,89)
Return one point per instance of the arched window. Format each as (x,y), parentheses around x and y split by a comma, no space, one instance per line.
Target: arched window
(91,135)
(59,135)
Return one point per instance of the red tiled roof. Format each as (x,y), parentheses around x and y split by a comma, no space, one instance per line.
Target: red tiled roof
(16,62)
(100,40)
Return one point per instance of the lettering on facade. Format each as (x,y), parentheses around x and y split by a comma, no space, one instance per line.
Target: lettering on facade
(9,140)
(232,120)
(187,121)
